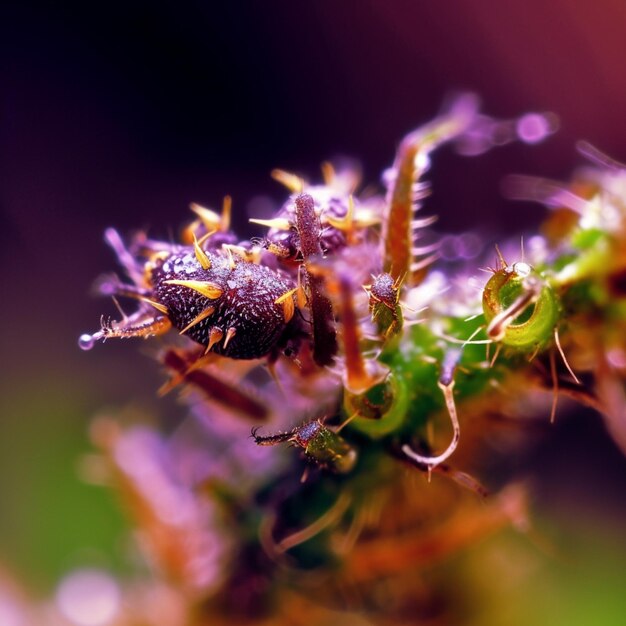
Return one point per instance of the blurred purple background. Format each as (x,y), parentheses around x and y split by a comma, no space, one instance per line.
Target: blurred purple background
(121,113)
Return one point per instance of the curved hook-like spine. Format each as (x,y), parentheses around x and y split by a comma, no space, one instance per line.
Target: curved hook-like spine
(446,384)
(520,307)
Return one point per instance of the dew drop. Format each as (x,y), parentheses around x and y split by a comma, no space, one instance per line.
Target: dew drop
(521,269)
(86,342)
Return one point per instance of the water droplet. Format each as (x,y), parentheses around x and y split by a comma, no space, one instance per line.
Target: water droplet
(86,342)
(521,269)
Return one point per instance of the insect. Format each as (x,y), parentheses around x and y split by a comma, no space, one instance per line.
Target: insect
(234,300)
(365,391)
(217,298)
(322,289)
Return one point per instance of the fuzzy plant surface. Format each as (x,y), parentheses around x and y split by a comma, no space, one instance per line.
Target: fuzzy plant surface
(342,383)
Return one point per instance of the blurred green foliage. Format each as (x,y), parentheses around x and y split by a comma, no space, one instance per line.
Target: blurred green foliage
(50,520)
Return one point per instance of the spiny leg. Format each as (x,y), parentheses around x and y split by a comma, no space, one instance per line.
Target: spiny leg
(141,324)
(187,368)
(405,190)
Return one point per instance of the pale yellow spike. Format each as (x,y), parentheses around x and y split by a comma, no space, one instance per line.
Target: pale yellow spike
(366,217)
(205,237)
(196,320)
(240,251)
(294,183)
(201,255)
(350,211)
(157,305)
(289,308)
(301,298)
(230,333)
(328,173)
(160,255)
(190,230)
(207,289)
(345,223)
(279,223)
(227,206)
(229,253)
(397,283)
(252,255)
(215,335)
(354,218)
(210,219)
(285,296)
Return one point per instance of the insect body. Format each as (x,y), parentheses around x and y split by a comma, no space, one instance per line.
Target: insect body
(230,306)
(320,444)
(240,301)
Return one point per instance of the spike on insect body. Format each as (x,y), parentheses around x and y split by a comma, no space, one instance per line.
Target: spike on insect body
(211,296)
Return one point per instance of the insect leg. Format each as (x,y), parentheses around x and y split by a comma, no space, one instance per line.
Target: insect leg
(141,324)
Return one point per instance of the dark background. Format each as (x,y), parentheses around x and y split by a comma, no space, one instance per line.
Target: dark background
(121,113)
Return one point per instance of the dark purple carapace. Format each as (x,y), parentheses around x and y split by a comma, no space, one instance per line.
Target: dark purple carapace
(231,306)
(232,299)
